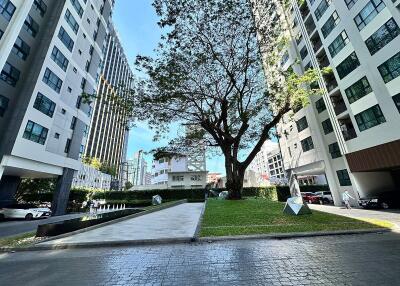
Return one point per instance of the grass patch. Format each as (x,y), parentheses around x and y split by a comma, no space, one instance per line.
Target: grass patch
(260,216)
(18,241)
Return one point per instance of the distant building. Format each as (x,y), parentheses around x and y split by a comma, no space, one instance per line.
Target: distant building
(276,170)
(89,177)
(212,178)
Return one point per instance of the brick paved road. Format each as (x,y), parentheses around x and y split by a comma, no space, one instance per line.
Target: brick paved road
(372,259)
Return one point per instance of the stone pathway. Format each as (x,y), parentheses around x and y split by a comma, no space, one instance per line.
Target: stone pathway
(392,216)
(176,222)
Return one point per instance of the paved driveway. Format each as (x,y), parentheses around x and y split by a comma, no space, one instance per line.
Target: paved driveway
(175,222)
(392,216)
(369,259)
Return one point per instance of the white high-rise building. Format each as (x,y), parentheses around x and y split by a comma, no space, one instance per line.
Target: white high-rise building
(350,134)
(50,53)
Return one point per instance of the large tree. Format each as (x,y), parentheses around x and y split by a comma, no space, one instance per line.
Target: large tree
(208,74)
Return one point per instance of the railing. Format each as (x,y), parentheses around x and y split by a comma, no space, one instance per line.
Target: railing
(317,45)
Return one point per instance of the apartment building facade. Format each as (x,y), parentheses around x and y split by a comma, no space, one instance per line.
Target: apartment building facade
(351,133)
(50,54)
(109,128)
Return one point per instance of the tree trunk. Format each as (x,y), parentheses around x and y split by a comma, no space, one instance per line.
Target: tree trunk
(234,178)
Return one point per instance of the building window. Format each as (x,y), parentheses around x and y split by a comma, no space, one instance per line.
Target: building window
(390,69)
(57,135)
(369,118)
(35,132)
(52,80)
(322,7)
(350,3)
(58,57)
(307,144)
(320,105)
(66,39)
(178,178)
(40,6)
(383,36)
(1,34)
(348,65)
(73,122)
(330,24)
(77,7)
(10,74)
(338,44)
(368,13)
(31,26)
(21,49)
(343,176)
(67,146)
(303,52)
(334,150)
(302,124)
(327,126)
(71,21)
(396,100)
(44,105)
(3,105)
(7,9)
(358,90)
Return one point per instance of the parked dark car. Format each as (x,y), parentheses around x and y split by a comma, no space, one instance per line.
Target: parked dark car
(384,200)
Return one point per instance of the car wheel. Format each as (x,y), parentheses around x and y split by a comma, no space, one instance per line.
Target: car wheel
(384,205)
(29,217)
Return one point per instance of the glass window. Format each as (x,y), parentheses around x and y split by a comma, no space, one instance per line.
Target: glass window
(330,24)
(390,69)
(303,52)
(383,36)
(358,90)
(67,146)
(344,178)
(40,6)
(10,74)
(31,26)
(35,132)
(77,7)
(58,57)
(7,9)
(338,44)
(348,65)
(307,144)
(52,80)
(350,3)
(302,124)
(21,49)
(73,123)
(334,150)
(327,126)
(396,100)
(66,39)
(1,34)
(369,118)
(368,13)
(320,105)
(71,21)
(44,105)
(3,105)
(322,7)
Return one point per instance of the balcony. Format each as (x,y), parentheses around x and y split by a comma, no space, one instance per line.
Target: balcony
(347,128)
(338,104)
(323,60)
(316,42)
(304,10)
(310,25)
(330,82)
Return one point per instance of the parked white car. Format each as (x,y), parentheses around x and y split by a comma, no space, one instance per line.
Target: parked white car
(25,211)
(326,197)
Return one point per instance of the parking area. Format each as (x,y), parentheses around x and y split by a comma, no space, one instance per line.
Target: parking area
(389,215)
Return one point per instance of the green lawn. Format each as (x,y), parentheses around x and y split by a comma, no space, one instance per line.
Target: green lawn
(259,216)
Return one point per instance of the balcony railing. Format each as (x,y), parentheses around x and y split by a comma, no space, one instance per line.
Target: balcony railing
(349,134)
(340,107)
(317,44)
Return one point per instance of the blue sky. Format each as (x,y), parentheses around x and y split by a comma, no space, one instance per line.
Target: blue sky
(136,23)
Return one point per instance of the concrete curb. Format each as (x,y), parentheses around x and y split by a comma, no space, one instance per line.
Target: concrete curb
(293,235)
(198,228)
